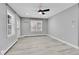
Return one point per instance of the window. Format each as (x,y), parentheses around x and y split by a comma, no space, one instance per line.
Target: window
(36,25)
(11,23)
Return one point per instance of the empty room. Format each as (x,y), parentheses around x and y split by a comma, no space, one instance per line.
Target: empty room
(39,28)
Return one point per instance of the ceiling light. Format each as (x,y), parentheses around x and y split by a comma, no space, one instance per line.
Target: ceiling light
(42,11)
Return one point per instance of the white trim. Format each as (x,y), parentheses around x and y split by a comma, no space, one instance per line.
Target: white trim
(12,23)
(5,50)
(74,46)
(32,35)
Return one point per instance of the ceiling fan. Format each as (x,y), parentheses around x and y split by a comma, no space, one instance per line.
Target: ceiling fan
(42,11)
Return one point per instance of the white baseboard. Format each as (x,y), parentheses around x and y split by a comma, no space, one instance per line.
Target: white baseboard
(5,50)
(32,35)
(74,46)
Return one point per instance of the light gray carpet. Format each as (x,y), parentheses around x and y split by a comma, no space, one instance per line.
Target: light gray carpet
(42,45)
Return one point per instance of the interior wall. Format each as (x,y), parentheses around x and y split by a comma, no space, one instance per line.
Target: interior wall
(3,27)
(78,23)
(65,25)
(17,25)
(5,41)
(26,26)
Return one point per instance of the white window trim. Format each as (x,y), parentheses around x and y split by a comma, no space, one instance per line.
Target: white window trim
(13,23)
(34,24)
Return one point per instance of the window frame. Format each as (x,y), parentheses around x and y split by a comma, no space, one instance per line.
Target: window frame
(12,23)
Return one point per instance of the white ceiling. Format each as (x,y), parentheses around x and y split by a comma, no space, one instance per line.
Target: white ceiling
(30,9)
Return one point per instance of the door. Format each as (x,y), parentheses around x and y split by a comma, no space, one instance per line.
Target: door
(25,28)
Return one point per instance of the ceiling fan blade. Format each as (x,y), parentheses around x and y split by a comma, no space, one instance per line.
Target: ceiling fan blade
(46,10)
(43,11)
(40,10)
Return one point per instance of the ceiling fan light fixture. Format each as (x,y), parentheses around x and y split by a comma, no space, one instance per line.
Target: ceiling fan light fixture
(40,12)
(43,11)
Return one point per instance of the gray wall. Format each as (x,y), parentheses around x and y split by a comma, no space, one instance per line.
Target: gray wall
(65,25)
(13,38)
(5,41)
(78,24)
(26,28)
(3,26)
(18,26)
